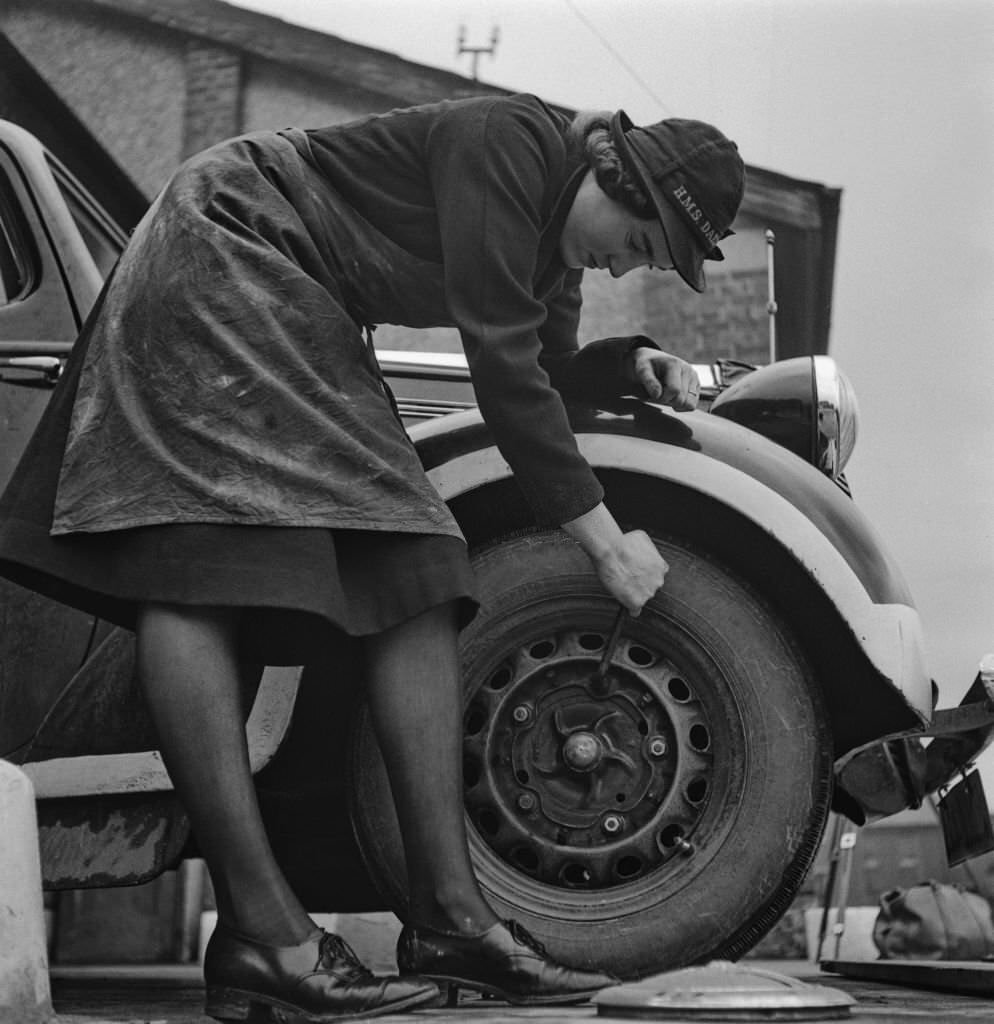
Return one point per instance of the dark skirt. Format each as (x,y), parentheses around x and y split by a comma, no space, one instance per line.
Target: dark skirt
(298,585)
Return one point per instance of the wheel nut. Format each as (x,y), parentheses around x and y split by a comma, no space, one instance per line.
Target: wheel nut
(657,746)
(526,802)
(612,824)
(522,713)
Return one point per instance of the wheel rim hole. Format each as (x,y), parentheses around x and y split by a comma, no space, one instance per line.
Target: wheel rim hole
(522,776)
(679,690)
(470,772)
(700,738)
(628,867)
(641,656)
(476,719)
(620,797)
(576,876)
(525,858)
(488,821)
(591,641)
(542,649)
(500,678)
(697,790)
(670,836)
(644,728)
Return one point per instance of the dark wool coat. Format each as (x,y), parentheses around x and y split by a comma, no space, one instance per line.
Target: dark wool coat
(227,380)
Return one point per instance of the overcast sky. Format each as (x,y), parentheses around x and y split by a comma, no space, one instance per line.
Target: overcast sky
(891,100)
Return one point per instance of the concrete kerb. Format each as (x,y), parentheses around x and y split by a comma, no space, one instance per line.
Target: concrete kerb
(25,995)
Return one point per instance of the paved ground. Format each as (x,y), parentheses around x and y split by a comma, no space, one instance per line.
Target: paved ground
(173,995)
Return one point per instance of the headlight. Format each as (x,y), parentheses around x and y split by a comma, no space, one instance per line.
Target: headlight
(838,416)
(805,404)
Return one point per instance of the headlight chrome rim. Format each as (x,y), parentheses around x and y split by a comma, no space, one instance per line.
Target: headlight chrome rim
(837,416)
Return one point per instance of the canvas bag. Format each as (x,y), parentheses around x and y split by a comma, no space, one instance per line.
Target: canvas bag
(934,921)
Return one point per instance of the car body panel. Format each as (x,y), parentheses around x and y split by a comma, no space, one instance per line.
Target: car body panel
(49,288)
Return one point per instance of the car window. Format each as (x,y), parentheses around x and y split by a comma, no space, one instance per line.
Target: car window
(103,241)
(15,262)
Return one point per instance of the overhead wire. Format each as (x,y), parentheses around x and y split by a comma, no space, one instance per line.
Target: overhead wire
(580,16)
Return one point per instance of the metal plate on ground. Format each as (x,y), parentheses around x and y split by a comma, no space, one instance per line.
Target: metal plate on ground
(723,991)
(964,977)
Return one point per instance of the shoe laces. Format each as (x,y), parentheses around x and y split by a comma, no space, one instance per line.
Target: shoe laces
(334,947)
(525,937)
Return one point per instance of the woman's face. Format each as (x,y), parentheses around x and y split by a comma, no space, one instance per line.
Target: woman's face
(601,234)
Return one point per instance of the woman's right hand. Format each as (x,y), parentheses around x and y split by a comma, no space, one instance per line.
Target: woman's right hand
(633,571)
(628,564)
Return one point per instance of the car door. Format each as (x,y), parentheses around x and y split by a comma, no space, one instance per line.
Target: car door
(48,280)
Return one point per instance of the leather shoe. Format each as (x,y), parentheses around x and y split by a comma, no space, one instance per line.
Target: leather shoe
(320,980)
(505,961)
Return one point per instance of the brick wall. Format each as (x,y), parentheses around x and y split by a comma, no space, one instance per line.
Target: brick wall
(278,97)
(124,81)
(728,321)
(213,108)
(614,306)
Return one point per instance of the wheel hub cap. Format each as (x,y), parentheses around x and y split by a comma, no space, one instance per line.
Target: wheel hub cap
(582,751)
(580,783)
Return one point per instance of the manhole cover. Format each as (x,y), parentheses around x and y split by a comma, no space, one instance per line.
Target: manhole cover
(723,991)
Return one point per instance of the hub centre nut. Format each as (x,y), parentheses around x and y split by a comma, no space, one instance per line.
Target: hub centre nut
(582,751)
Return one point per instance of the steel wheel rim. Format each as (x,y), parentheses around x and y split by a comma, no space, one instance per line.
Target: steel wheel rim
(645,750)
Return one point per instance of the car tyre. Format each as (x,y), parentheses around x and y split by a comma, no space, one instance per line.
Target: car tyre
(667,816)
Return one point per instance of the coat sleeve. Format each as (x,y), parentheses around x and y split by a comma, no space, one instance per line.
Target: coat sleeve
(595,372)
(490,173)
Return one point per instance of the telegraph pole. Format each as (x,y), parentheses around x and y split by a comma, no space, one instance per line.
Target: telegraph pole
(475,51)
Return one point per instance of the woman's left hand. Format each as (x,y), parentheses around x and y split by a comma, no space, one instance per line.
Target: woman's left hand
(665,378)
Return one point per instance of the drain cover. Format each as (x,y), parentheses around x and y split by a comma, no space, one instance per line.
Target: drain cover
(723,991)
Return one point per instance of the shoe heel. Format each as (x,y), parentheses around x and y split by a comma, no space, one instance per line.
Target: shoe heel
(226,1004)
(450,995)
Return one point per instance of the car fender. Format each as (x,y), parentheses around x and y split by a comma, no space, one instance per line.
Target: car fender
(787,505)
(143,771)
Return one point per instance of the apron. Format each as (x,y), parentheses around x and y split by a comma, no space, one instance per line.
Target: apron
(226,379)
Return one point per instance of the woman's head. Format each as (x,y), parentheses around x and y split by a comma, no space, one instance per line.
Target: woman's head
(601,233)
(674,186)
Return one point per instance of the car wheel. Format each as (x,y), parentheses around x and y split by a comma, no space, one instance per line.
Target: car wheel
(662,817)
